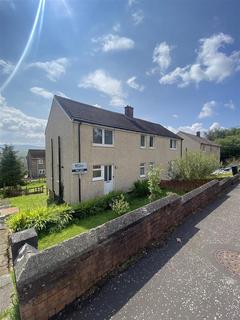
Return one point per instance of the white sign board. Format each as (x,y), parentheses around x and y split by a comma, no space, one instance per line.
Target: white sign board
(79,168)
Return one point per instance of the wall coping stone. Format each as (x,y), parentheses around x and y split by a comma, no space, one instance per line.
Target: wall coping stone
(39,264)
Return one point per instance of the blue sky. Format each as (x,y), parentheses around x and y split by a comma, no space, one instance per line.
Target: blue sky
(176,62)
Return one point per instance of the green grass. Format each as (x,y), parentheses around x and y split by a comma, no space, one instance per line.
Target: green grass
(28,202)
(84,225)
(35,183)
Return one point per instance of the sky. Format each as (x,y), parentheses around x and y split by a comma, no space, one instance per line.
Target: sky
(177,62)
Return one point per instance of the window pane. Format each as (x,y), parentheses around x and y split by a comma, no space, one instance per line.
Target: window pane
(110,173)
(108,136)
(151,141)
(97,166)
(97,135)
(142,140)
(97,173)
(105,173)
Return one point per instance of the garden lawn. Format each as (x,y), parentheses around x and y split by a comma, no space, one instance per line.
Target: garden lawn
(29,201)
(83,225)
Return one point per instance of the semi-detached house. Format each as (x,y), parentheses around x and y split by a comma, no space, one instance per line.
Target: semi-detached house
(114,149)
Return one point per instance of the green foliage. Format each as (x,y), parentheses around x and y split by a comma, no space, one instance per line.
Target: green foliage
(228,139)
(153,183)
(120,205)
(140,188)
(94,206)
(194,166)
(43,219)
(11,168)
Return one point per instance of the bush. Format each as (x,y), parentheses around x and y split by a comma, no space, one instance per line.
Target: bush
(153,183)
(43,219)
(94,206)
(140,188)
(56,217)
(120,205)
(194,166)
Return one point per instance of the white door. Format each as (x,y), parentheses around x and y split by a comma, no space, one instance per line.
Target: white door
(108,179)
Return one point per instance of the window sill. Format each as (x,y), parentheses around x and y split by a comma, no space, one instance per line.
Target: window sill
(143,176)
(142,147)
(97,179)
(152,148)
(103,145)
(173,149)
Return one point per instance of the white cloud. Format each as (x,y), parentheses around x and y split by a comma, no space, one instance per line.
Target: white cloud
(211,64)
(45,93)
(207,109)
(131,82)
(98,105)
(176,116)
(215,126)
(161,55)
(101,81)
(132,2)
(137,17)
(6,66)
(230,105)
(54,69)
(116,27)
(197,126)
(113,42)
(17,127)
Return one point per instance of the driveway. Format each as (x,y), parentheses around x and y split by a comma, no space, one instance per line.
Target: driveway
(196,275)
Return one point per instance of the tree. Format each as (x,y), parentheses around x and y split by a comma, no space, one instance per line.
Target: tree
(11,169)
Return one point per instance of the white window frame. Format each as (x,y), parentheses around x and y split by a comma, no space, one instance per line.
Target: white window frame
(153,146)
(171,144)
(103,138)
(41,171)
(40,161)
(97,169)
(145,138)
(142,165)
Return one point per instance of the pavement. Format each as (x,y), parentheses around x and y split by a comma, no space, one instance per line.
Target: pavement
(196,275)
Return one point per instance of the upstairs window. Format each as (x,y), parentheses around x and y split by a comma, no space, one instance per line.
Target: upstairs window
(97,136)
(143,141)
(102,136)
(151,142)
(108,137)
(151,165)
(173,144)
(40,161)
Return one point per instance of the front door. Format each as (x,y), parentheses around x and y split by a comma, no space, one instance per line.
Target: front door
(108,179)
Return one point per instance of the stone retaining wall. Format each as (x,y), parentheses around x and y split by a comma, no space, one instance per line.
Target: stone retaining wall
(49,280)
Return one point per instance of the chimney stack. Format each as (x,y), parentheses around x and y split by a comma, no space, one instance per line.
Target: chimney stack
(198,134)
(129,111)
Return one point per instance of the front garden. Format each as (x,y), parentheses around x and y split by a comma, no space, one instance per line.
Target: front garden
(56,223)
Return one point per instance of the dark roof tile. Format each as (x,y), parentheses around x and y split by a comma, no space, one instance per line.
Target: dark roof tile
(89,114)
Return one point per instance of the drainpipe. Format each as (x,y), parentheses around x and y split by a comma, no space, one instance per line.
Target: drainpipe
(181,148)
(79,160)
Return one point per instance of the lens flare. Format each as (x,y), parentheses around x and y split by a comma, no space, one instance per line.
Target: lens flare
(39,15)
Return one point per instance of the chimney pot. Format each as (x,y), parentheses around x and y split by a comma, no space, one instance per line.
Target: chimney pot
(198,134)
(129,111)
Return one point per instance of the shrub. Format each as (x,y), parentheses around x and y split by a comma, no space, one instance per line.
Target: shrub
(153,183)
(43,219)
(94,206)
(120,205)
(140,188)
(194,166)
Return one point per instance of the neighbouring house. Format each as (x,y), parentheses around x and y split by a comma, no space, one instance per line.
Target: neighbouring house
(112,150)
(36,163)
(194,143)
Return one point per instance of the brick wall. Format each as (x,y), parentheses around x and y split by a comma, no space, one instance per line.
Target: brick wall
(49,280)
